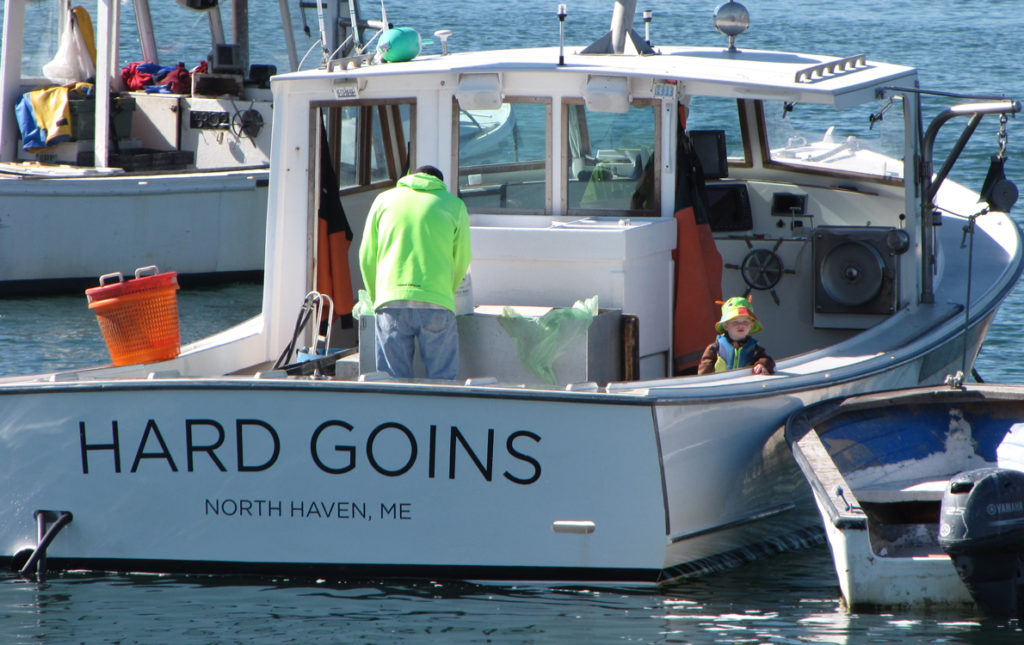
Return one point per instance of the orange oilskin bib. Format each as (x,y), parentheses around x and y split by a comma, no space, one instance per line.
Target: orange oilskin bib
(698,264)
(334,237)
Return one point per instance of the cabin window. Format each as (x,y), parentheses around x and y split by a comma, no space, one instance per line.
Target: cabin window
(852,141)
(369,142)
(502,157)
(717,113)
(611,160)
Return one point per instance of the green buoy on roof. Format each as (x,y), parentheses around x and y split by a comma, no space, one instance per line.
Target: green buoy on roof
(399,44)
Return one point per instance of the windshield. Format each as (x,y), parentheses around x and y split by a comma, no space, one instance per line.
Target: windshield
(501,157)
(717,113)
(854,141)
(611,163)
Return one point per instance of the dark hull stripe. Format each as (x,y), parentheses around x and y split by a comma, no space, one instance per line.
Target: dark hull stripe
(799,540)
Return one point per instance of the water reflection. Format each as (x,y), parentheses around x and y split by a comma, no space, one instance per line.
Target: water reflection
(791,598)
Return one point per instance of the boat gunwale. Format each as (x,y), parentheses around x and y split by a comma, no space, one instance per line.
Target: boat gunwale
(324,386)
(10,170)
(810,454)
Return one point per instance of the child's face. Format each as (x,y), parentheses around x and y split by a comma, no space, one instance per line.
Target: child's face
(738,327)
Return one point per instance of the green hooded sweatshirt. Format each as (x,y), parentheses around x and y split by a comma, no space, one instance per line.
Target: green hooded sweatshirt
(415,244)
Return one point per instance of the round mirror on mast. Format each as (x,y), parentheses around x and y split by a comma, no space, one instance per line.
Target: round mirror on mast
(731,19)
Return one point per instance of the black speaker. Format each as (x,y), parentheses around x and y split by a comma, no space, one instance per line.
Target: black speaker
(857,269)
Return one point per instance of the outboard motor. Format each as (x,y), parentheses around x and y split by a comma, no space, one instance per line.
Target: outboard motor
(981,528)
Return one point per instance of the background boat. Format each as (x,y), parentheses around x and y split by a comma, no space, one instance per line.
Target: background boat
(183,184)
(881,468)
(180,181)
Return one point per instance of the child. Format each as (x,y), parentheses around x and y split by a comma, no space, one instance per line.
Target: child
(734,347)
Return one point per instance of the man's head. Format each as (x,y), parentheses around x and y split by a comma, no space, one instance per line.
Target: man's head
(432,171)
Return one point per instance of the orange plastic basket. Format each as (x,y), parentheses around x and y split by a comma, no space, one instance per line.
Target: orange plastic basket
(138,318)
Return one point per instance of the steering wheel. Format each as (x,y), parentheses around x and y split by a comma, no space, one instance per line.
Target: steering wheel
(762,268)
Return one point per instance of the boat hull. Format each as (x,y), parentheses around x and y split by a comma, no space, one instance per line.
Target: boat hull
(61,234)
(406,479)
(286,478)
(869,581)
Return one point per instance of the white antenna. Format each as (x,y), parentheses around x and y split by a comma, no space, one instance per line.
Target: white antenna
(323,32)
(352,21)
(383,16)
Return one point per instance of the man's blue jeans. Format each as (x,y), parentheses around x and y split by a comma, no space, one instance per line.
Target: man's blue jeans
(438,335)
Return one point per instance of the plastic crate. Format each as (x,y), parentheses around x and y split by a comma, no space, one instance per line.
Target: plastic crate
(142,159)
(83,116)
(138,318)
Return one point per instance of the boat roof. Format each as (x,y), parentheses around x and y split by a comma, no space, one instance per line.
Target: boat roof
(752,74)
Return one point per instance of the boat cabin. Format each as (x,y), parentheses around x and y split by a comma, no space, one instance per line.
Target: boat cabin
(659,182)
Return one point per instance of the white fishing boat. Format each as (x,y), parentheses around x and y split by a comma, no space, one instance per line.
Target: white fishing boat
(607,461)
(176,177)
(921,492)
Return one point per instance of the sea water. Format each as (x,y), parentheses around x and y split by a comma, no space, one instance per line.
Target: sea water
(964,46)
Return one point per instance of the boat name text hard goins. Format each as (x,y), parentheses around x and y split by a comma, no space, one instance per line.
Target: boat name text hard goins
(390,449)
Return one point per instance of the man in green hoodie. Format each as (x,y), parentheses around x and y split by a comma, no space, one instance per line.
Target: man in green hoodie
(414,254)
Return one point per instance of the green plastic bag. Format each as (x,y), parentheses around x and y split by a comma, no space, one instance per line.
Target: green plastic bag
(540,341)
(363,306)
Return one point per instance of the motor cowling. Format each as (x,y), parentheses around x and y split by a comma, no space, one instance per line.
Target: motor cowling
(981,528)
